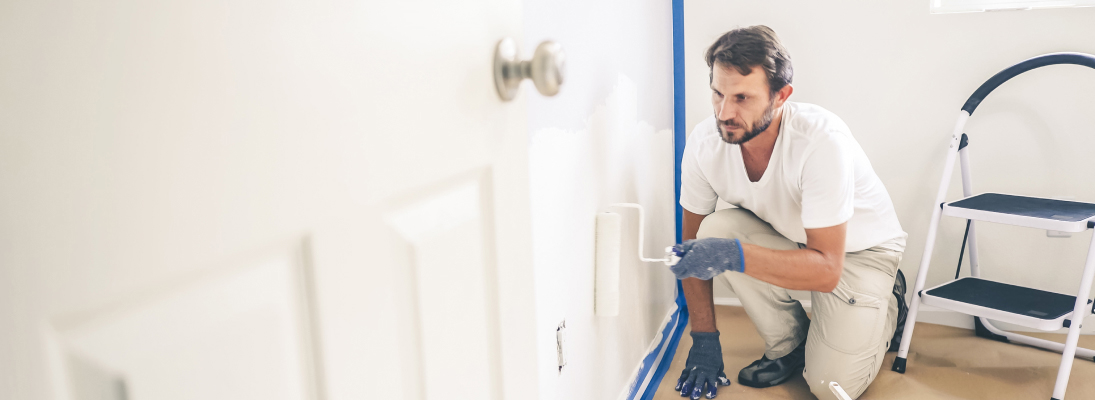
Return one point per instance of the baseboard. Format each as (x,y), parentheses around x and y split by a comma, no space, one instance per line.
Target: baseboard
(931,315)
(736,302)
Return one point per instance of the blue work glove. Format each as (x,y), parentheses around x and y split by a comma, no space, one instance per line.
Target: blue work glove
(705,258)
(703,368)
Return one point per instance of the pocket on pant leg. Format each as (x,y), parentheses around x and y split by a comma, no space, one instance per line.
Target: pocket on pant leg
(847,320)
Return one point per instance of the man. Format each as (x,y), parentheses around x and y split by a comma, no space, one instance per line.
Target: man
(811,215)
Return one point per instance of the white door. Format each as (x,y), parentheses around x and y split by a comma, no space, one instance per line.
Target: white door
(243,199)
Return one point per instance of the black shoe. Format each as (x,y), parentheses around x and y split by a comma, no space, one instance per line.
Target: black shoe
(902,310)
(764,373)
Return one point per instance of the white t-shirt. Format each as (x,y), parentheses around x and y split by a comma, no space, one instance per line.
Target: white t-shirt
(818,177)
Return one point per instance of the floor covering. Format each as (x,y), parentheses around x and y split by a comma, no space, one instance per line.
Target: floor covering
(944,363)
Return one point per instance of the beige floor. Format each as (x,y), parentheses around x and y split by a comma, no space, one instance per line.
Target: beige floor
(944,363)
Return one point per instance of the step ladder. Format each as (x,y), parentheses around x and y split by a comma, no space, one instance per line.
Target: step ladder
(1000,301)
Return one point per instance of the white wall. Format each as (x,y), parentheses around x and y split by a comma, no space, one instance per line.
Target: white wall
(898,76)
(604,138)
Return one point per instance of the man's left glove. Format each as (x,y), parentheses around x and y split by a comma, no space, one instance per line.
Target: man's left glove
(708,257)
(703,368)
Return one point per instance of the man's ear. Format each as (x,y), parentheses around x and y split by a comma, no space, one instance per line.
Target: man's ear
(783,94)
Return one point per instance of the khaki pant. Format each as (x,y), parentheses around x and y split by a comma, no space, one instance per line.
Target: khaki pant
(852,326)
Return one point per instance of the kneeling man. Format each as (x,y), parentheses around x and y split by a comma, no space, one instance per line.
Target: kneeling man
(811,215)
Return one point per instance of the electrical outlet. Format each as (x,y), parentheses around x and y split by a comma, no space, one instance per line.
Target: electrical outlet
(560,341)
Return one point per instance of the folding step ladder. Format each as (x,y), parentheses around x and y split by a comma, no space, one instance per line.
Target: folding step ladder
(989,300)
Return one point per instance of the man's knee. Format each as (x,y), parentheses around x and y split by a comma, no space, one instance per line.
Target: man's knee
(726,224)
(737,223)
(825,364)
(742,224)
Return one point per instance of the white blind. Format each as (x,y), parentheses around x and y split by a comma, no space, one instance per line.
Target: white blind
(950,6)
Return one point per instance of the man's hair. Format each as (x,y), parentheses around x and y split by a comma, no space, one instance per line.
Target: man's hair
(745,48)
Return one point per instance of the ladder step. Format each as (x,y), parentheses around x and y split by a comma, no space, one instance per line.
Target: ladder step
(1019,305)
(1033,212)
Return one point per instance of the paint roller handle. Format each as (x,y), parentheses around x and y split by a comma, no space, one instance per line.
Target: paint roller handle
(670,259)
(672,256)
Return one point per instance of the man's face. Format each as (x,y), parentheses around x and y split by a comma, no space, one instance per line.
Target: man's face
(743,106)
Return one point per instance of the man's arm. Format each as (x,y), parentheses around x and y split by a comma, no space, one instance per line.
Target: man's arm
(816,268)
(698,293)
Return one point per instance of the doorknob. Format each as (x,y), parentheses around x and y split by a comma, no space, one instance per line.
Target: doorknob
(545,68)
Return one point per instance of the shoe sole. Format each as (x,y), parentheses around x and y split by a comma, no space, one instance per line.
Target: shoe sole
(759,385)
(895,341)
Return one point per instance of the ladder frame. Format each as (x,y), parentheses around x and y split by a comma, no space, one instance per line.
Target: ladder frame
(959,149)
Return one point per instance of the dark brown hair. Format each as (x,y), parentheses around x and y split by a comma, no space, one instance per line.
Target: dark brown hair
(745,48)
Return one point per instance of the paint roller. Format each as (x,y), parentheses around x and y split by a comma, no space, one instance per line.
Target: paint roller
(607,262)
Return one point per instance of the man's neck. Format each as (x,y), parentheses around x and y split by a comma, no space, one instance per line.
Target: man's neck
(765,141)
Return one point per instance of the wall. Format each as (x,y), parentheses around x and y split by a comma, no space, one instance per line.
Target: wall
(899,75)
(604,138)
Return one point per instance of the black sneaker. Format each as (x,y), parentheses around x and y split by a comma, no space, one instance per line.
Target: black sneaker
(764,373)
(902,310)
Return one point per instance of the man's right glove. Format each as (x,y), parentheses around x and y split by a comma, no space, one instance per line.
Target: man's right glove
(708,257)
(703,367)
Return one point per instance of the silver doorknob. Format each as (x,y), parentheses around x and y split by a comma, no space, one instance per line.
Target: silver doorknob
(545,68)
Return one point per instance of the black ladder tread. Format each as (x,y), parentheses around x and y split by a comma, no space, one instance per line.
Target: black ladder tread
(1006,297)
(1035,207)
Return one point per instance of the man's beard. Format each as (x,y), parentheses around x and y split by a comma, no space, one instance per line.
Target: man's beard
(759,126)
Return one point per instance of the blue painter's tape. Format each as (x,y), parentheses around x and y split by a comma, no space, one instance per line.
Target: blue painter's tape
(678,106)
(671,346)
(671,334)
(640,388)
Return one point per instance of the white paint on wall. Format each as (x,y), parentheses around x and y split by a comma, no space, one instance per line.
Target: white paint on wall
(603,139)
(898,75)
(574,174)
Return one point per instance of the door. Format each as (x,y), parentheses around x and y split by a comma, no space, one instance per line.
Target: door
(241,199)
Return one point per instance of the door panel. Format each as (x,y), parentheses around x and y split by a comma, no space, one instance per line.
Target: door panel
(242,332)
(446,235)
(144,144)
